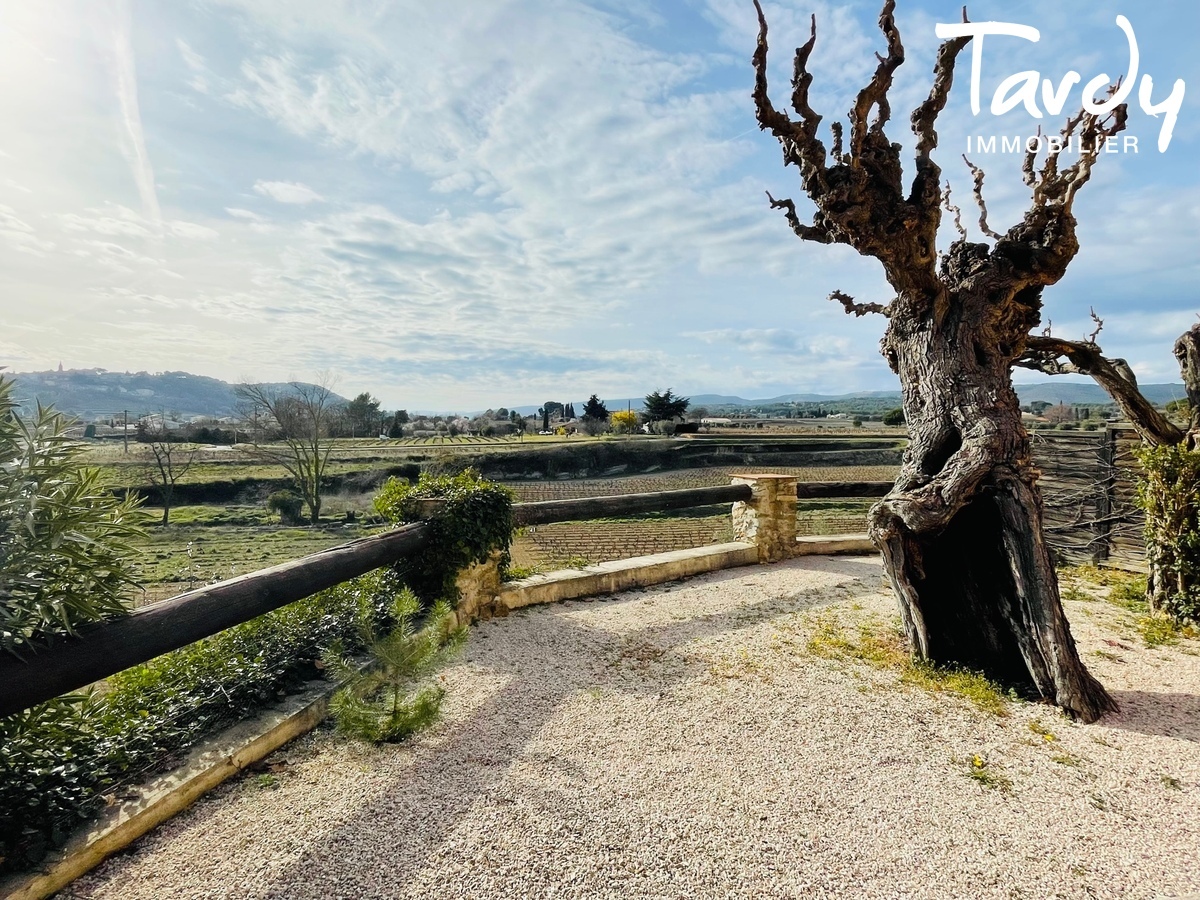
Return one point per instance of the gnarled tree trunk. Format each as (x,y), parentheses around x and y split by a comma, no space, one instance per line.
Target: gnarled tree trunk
(961,531)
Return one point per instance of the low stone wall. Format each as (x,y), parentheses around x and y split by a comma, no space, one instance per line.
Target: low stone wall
(765,532)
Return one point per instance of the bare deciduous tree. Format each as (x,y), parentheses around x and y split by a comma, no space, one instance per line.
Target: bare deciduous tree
(301,414)
(169,461)
(961,530)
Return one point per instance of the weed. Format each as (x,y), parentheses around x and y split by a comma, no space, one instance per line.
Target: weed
(266,781)
(1066,759)
(981,771)
(875,643)
(1158,630)
(1037,727)
(1171,782)
(1072,594)
(516,573)
(742,665)
(1129,593)
(882,646)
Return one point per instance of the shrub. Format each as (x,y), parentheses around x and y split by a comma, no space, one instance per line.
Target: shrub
(64,560)
(894,416)
(388,702)
(475,518)
(1169,492)
(624,421)
(289,506)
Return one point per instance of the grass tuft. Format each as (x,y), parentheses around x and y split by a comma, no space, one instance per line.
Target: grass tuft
(883,646)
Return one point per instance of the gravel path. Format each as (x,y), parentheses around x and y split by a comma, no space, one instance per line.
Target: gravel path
(683,741)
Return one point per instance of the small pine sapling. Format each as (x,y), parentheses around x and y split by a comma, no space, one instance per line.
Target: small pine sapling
(391,699)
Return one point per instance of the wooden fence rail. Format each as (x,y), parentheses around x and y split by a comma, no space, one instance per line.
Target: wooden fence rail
(106,648)
(546,511)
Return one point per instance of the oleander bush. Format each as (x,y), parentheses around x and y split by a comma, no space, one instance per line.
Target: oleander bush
(64,556)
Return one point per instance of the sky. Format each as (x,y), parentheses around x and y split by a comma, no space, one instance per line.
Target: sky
(498,202)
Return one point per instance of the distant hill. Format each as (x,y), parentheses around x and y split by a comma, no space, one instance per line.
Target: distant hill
(1089,392)
(91,393)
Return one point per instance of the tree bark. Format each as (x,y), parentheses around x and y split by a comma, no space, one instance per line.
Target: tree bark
(1187,351)
(961,530)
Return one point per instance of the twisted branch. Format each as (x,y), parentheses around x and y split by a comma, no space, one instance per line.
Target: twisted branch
(815,232)
(860,309)
(977,176)
(875,93)
(1056,356)
(950,207)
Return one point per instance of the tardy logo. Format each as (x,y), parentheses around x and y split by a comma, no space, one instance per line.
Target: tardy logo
(1023,88)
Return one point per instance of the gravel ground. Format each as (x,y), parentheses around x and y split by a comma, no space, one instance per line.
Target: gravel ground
(683,741)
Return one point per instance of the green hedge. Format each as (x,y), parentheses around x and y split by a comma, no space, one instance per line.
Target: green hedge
(476,518)
(1169,492)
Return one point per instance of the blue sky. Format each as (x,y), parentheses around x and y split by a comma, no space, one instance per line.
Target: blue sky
(499,202)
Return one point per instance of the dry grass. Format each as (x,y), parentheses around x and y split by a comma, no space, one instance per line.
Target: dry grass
(882,645)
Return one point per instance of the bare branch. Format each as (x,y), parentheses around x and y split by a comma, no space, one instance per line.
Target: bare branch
(814,232)
(924,194)
(860,309)
(1053,186)
(1091,338)
(1027,173)
(977,175)
(1056,356)
(925,116)
(875,93)
(802,80)
(836,128)
(800,143)
(950,207)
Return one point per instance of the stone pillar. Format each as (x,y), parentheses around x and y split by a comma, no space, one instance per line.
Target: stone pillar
(769,520)
(478,586)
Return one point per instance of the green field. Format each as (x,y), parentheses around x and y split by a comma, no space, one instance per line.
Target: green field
(208,542)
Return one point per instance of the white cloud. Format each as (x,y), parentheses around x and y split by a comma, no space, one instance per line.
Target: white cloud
(287,192)
(521,198)
(192,231)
